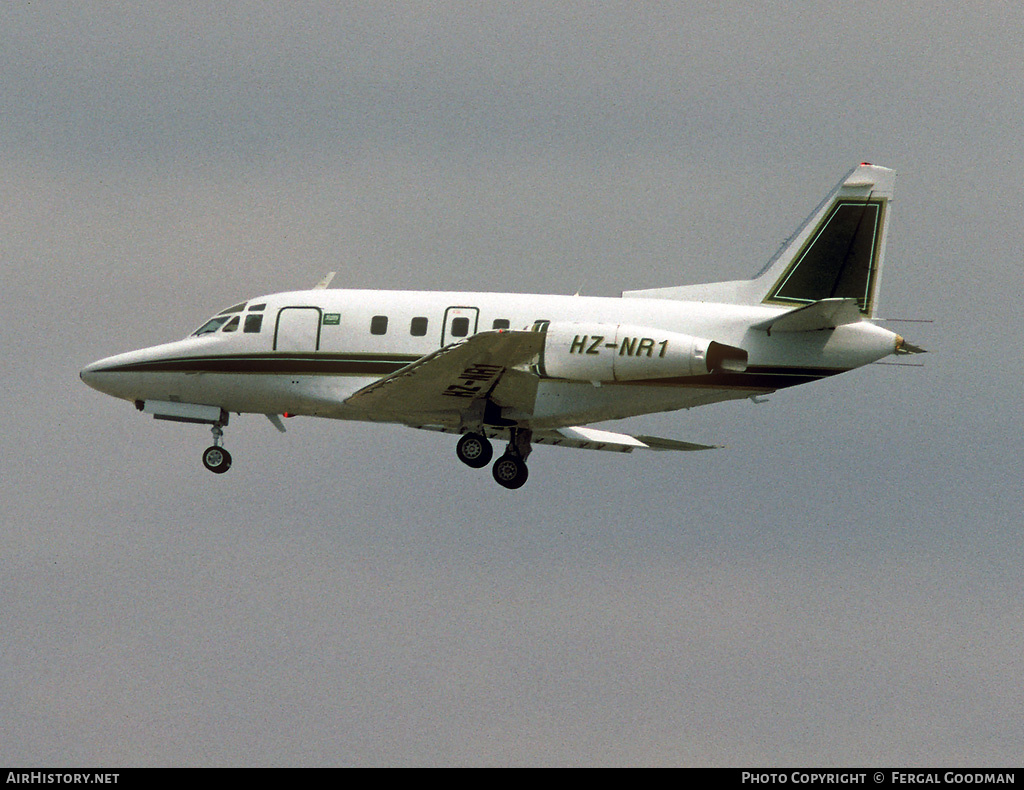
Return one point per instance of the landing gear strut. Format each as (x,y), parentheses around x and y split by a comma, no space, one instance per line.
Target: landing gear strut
(216,458)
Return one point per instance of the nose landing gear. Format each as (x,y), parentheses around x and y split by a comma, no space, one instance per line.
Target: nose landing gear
(216,458)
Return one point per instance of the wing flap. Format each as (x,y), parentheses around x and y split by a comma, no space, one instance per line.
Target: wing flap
(583,438)
(594,439)
(658,443)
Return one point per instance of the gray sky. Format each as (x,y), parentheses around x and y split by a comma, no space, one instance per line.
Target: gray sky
(841,585)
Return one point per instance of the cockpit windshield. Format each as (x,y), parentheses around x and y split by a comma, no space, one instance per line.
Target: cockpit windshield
(229,320)
(211,326)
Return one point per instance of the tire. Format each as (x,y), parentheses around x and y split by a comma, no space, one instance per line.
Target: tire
(474,450)
(217,460)
(510,471)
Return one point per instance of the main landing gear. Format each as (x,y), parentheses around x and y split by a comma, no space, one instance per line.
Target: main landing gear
(216,458)
(509,470)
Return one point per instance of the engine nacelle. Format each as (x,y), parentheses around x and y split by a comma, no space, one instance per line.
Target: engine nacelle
(622,352)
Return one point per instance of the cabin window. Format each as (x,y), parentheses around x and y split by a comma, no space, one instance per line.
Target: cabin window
(418,327)
(253,323)
(379,325)
(460,327)
(231,325)
(500,323)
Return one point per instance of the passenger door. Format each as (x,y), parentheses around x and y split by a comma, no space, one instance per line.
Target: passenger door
(297,329)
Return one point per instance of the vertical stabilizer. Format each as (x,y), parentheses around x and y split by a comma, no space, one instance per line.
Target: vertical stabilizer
(837,253)
(840,249)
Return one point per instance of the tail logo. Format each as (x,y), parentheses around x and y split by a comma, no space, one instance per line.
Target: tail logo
(839,259)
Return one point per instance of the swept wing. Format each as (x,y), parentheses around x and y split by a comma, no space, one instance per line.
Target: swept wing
(445,391)
(457,378)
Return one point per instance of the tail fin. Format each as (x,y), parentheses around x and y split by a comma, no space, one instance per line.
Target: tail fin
(839,251)
(836,254)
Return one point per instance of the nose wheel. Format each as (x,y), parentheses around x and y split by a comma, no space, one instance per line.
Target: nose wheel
(216,458)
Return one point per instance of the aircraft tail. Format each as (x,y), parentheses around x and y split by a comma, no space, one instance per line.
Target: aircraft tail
(837,253)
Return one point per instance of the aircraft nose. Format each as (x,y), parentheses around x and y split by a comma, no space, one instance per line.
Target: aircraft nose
(129,375)
(101,376)
(88,374)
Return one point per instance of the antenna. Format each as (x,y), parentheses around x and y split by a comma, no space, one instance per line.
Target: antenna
(325,281)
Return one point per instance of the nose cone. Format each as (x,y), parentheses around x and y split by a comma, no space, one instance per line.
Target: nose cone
(117,376)
(102,375)
(148,373)
(91,374)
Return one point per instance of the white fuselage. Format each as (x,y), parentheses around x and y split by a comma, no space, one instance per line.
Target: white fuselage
(533,369)
(309,350)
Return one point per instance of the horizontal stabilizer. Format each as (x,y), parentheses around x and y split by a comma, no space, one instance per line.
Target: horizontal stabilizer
(903,347)
(823,314)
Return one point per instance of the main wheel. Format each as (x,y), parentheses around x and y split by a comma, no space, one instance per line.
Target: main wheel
(474,450)
(510,471)
(217,460)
